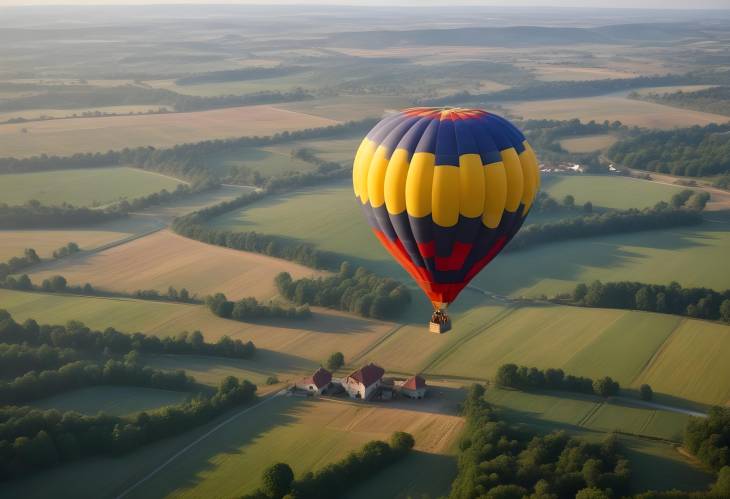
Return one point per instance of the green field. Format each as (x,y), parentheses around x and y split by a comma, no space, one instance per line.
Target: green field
(264,160)
(608,192)
(331,219)
(588,143)
(116,400)
(655,464)
(82,187)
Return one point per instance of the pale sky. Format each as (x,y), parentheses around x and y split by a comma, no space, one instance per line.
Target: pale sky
(652,4)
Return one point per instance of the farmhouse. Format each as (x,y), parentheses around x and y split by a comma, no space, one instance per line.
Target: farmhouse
(414,387)
(364,382)
(317,382)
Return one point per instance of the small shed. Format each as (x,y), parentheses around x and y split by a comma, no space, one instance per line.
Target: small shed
(317,382)
(414,387)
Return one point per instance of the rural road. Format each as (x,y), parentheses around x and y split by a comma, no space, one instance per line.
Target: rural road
(663,407)
(197,441)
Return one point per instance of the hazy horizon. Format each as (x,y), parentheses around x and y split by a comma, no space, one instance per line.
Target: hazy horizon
(578,4)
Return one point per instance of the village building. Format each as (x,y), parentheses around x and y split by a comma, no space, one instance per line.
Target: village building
(316,383)
(414,387)
(364,382)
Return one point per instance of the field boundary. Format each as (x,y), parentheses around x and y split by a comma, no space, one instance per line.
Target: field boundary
(194,443)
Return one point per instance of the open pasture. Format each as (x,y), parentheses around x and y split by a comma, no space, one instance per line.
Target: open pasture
(45,241)
(115,400)
(268,161)
(557,72)
(588,143)
(316,432)
(616,192)
(161,130)
(612,108)
(165,259)
(688,255)
(283,346)
(697,347)
(348,107)
(82,187)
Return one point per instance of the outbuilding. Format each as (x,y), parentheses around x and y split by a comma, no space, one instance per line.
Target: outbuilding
(414,387)
(364,382)
(317,382)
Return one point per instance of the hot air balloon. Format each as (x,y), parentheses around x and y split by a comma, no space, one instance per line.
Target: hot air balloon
(444,190)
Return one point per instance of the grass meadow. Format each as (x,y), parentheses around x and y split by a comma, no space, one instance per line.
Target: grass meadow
(116,400)
(82,187)
(588,143)
(165,259)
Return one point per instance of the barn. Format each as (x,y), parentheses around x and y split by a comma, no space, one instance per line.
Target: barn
(414,387)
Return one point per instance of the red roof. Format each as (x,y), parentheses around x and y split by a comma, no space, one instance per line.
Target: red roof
(320,378)
(367,375)
(414,383)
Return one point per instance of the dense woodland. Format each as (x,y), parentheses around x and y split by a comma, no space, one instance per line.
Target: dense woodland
(709,439)
(497,460)
(532,378)
(334,480)
(701,303)
(352,290)
(693,152)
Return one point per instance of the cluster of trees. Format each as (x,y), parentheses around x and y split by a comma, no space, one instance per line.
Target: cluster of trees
(67,250)
(661,216)
(16,263)
(335,361)
(31,439)
(693,152)
(709,438)
(17,359)
(244,74)
(172,294)
(82,373)
(702,303)
(358,291)
(544,203)
(497,460)
(334,480)
(723,182)
(247,309)
(711,100)
(77,336)
(532,378)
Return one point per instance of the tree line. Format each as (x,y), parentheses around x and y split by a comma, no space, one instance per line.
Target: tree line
(32,440)
(334,480)
(84,373)
(353,290)
(540,90)
(711,100)
(243,74)
(248,309)
(182,160)
(532,378)
(77,336)
(663,215)
(33,214)
(20,358)
(85,96)
(701,303)
(694,152)
(497,460)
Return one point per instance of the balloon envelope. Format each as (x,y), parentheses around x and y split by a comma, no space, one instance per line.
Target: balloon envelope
(444,191)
